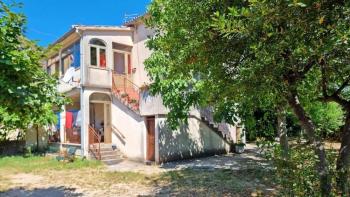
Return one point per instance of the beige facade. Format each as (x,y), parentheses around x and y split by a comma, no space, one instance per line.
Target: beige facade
(101,69)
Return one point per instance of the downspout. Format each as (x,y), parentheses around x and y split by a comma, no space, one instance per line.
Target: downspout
(83,133)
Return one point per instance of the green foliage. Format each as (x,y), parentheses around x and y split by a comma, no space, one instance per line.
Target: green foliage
(297,176)
(27,93)
(328,117)
(246,55)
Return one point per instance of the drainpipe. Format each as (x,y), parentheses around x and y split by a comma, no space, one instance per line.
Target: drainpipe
(83,107)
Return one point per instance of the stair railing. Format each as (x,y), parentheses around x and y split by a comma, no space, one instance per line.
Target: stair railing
(95,137)
(122,85)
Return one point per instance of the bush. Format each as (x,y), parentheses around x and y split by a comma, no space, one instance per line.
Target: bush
(297,175)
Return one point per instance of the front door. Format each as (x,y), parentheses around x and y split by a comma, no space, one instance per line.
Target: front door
(122,64)
(150,122)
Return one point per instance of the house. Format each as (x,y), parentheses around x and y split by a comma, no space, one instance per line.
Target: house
(100,68)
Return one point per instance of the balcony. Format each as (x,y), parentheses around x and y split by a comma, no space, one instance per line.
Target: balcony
(126,91)
(69,81)
(98,77)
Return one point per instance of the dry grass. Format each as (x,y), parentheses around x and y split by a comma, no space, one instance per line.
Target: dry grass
(92,179)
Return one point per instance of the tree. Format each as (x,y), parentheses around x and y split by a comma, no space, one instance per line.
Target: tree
(27,94)
(243,54)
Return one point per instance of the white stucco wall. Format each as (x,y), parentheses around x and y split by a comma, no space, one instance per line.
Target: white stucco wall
(192,140)
(128,131)
(102,77)
(141,53)
(151,105)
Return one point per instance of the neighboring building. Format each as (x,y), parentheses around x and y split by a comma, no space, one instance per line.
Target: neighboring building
(101,69)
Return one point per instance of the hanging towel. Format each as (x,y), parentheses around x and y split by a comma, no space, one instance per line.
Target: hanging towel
(77,121)
(75,114)
(69,120)
(58,125)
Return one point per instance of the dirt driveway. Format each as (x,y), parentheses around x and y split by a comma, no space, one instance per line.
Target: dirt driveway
(226,175)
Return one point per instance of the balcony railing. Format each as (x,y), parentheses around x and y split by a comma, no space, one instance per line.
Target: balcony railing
(126,91)
(95,143)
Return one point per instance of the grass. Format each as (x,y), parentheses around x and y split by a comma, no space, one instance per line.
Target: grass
(93,176)
(19,164)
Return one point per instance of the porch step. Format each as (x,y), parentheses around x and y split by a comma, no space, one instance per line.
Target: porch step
(108,155)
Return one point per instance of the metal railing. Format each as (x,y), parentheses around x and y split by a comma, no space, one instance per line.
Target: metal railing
(126,89)
(94,138)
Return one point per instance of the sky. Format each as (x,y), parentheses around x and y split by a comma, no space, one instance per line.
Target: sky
(47,20)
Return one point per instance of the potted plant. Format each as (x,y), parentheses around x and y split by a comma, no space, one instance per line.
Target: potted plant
(239,147)
(124,95)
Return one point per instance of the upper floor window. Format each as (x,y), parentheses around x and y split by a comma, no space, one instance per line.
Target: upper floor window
(97,53)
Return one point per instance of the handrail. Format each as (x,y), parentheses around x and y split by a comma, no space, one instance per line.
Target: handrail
(127,90)
(124,76)
(98,137)
(119,132)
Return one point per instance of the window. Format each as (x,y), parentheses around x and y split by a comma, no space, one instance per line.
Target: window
(98,53)
(122,59)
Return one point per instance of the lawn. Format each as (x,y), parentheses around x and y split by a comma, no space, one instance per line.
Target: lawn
(46,176)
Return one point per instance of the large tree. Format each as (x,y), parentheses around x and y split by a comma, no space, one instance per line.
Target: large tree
(236,55)
(27,94)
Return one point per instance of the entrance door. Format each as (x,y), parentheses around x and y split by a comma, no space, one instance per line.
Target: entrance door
(122,64)
(150,122)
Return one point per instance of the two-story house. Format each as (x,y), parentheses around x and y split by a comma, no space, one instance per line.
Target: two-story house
(101,69)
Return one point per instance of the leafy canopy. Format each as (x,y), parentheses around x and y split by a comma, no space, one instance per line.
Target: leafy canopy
(27,93)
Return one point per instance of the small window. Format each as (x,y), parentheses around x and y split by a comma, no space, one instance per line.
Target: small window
(93,56)
(98,53)
(103,58)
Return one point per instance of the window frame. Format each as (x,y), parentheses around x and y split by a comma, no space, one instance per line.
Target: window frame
(98,51)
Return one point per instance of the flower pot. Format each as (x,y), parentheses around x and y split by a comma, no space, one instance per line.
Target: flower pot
(239,148)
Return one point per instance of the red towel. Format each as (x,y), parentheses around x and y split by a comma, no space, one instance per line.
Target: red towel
(69,120)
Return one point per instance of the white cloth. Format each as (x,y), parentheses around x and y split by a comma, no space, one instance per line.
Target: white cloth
(68,75)
(78,119)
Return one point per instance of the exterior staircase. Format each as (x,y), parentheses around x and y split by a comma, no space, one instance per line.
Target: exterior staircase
(126,92)
(109,155)
(221,129)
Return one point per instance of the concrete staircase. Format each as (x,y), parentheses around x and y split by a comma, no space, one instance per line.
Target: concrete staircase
(109,156)
(220,129)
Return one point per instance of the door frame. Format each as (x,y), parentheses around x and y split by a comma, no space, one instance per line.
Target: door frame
(150,135)
(107,118)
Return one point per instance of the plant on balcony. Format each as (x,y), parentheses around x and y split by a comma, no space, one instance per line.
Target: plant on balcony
(124,95)
(133,101)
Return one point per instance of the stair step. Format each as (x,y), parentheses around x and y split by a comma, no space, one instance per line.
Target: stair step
(112,161)
(109,157)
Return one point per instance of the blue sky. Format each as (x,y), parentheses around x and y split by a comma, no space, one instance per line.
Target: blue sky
(50,19)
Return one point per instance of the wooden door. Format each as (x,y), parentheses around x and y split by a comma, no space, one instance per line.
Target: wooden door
(150,122)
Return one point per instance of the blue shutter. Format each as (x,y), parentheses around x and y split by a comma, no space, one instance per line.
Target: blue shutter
(76,55)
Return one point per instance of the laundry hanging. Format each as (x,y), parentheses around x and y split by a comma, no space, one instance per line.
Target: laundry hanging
(69,120)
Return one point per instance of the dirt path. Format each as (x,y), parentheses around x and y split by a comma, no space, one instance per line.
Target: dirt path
(226,175)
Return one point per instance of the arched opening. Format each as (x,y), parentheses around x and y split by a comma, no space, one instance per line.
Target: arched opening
(100,117)
(97,53)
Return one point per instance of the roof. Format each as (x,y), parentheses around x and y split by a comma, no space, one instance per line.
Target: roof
(135,20)
(75,28)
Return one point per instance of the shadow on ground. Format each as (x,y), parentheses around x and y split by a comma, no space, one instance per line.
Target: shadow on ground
(245,174)
(41,192)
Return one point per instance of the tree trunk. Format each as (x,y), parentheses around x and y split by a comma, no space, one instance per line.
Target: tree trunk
(37,138)
(343,161)
(282,132)
(309,127)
